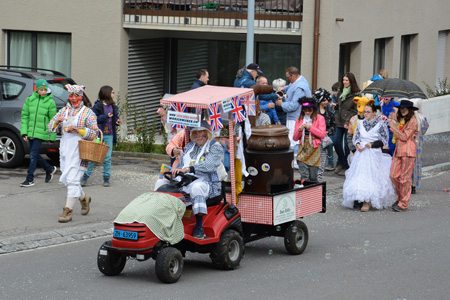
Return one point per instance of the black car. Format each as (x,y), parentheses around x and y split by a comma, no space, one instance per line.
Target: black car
(16,84)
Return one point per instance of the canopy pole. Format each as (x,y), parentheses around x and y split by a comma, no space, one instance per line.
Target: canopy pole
(231,143)
(250,32)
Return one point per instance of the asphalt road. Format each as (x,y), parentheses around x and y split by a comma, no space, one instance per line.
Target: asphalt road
(350,255)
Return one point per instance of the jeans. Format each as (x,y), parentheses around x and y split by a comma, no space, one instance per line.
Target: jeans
(340,136)
(36,158)
(330,154)
(108,139)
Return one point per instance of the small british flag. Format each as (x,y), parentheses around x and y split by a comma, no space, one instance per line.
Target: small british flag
(251,105)
(238,111)
(180,107)
(215,117)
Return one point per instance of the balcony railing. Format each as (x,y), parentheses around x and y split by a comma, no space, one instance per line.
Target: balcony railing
(269,14)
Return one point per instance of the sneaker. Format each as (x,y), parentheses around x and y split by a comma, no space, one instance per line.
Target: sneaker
(84,180)
(397,208)
(49,176)
(199,233)
(27,183)
(329,168)
(106,182)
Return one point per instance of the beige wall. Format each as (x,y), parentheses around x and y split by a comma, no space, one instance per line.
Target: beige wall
(99,42)
(367,21)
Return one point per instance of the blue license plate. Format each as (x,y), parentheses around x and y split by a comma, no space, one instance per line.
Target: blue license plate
(122,234)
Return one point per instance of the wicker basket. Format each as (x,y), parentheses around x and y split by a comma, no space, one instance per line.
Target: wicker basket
(92,151)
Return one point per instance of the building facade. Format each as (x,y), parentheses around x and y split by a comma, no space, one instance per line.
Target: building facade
(145,49)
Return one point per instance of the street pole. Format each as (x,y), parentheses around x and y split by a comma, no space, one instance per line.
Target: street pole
(250,32)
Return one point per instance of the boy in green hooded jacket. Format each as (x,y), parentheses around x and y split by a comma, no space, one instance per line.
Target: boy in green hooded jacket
(38,110)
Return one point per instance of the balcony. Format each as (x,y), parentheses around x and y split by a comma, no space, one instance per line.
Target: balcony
(271,16)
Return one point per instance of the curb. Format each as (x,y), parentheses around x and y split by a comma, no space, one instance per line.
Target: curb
(55,237)
(89,231)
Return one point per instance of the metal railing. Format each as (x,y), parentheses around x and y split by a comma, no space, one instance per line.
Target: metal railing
(269,14)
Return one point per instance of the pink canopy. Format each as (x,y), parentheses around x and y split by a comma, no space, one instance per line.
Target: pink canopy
(204,96)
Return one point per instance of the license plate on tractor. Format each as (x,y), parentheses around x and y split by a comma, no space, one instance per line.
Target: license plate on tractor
(128,235)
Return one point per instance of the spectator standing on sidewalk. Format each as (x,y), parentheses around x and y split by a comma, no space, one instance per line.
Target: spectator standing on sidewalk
(38,110)
(266,101)
(108,119)
(346,109)
(76,122)
(202,78)
(297,89)
(322,98)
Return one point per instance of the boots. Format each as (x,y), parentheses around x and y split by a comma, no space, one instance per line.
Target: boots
(85,204)
(365,207)
(84,180)
(66,215)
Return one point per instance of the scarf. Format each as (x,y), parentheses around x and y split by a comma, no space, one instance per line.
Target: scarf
(400,126)
(306,119)
(345,92)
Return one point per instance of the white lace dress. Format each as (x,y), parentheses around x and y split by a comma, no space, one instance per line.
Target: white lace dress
(367,179)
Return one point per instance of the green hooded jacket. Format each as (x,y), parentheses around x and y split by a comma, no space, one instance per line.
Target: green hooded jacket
(36,114)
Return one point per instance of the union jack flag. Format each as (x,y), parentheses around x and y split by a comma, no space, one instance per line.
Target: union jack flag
(214,116)
(251,105)
(180,107)
(238,111)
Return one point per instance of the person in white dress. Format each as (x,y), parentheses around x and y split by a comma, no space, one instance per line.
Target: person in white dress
(367,180)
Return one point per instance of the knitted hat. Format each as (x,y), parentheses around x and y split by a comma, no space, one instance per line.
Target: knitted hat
(41,84)
(75,89)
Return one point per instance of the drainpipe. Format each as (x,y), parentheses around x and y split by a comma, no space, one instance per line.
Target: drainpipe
(316,43)
(250,32)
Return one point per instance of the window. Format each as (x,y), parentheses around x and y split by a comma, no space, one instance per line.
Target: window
(379,57)
(10,90)
(441,56)
(405,56)
(40,50)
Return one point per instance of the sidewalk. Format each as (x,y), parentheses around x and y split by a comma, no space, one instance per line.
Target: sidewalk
(28,218)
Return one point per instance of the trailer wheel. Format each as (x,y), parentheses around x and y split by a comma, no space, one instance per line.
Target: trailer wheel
(228,252)
(109,262)
(169,265)
(296,237)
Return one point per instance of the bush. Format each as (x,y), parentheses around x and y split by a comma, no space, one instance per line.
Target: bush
(443,88)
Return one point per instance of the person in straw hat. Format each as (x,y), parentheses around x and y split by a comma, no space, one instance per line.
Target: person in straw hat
(202,157)
(75,121)
(404,126)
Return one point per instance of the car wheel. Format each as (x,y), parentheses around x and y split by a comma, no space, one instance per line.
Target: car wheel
(109,262)
(11,149)
(296,237)
(169,265)
(227,254)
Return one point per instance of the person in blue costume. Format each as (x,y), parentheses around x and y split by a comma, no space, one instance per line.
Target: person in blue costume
(389,106)
(266,101)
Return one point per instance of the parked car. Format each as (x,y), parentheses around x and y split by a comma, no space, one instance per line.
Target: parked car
(16,84)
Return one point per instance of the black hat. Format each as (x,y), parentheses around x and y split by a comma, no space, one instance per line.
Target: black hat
(254,67)
(308,102)
(321,95)
(407,103)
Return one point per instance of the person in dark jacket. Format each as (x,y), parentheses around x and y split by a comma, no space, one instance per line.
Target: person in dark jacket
(107,114)
(248,76)
(202,79)
(322,98)
(346,109)
(37,112)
